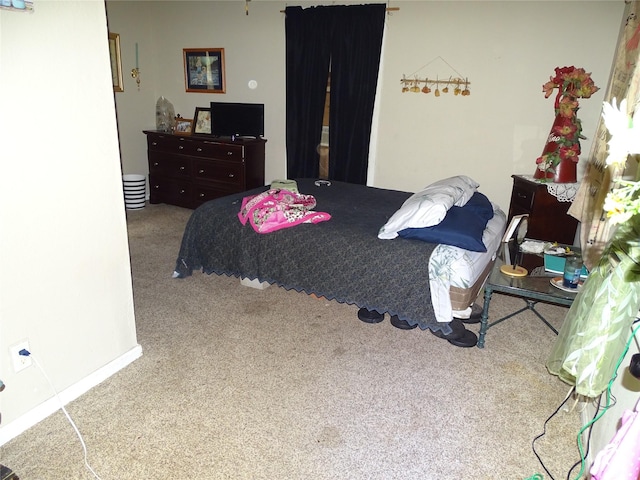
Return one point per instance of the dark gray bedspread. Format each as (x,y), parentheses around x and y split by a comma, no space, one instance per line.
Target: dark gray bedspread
(341,259)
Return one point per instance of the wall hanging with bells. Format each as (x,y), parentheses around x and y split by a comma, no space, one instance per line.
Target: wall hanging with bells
(458,85)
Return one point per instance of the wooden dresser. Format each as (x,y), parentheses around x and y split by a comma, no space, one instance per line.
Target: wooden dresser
(548,219)
(190,170)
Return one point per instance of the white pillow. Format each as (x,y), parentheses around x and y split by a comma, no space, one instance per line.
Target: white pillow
(430,205)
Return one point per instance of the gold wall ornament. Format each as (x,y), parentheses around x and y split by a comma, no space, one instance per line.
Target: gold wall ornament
(135,72)
(460,83)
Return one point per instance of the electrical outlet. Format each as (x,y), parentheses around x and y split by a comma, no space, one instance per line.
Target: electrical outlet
(20,362)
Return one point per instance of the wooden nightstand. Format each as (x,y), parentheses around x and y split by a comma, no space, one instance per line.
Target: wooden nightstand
(548,219)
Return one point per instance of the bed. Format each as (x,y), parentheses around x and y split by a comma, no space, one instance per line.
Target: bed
(343,259)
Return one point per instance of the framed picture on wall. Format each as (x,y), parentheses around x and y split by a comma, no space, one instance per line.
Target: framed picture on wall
(183,126)
(116,63)
(202,121)
(204,70)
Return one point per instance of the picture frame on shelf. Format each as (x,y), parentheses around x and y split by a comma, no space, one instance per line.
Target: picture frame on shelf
(204,70)
(202,121)
(116,62)
(519,223)
(184,126)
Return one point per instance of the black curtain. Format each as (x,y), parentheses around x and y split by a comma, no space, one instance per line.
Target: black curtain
(350,39)
(307,57)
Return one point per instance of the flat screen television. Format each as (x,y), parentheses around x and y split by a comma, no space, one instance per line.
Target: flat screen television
(237,119)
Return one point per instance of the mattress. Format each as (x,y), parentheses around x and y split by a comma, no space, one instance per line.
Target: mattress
(341,259)
(457,275)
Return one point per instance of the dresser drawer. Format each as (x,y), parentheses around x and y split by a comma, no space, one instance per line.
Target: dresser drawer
(170,190)
(221,172)
(220,151)
(166,143)
(204,193)
(175,144)
(162,163)
(522,197)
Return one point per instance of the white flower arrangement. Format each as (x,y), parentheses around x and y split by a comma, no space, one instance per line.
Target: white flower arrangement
(623,202)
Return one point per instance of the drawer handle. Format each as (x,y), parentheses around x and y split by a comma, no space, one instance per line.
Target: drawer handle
(155,164)
(199,149)
(521,195)
(181,191)
(201,171)
(156,186)
(231,175)
(201,195)
(182,167)
(154,143)
(229,153)
(180,147)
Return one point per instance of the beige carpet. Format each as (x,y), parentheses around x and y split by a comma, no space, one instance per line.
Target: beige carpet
(238,383)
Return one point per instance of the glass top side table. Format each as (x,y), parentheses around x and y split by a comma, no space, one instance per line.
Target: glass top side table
(532,289)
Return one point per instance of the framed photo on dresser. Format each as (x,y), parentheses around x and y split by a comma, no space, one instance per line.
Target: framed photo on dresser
(183,126)
(202,121)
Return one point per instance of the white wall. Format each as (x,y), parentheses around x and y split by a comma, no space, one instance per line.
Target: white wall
(66,280)
(254,50)
(508,50)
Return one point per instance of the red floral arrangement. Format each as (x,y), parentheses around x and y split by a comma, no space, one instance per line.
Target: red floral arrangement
(563,142)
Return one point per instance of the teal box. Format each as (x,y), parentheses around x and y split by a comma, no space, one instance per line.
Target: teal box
(555,264)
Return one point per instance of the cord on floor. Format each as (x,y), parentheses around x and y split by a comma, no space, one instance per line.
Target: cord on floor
(544,431)
(26,353)
(586,454)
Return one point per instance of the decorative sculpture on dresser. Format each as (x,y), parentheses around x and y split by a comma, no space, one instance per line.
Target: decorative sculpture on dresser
(559,159)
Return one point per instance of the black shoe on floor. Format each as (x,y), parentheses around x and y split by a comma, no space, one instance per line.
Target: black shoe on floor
(469,339)
(370,316)
(460,336)
(401,324)
(457,327)
(476,315)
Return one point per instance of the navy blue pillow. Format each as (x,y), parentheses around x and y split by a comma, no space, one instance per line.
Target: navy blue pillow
(480,204)
(462,226)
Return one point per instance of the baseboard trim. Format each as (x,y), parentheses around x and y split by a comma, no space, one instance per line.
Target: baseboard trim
(42,411)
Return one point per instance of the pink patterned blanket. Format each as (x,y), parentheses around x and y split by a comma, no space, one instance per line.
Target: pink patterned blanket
(276,209)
